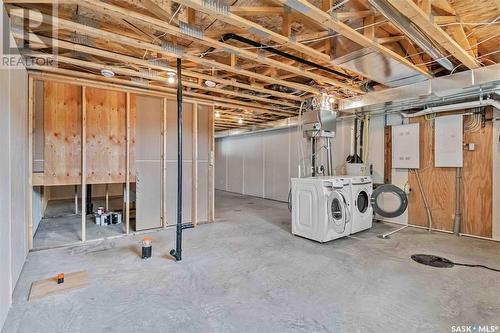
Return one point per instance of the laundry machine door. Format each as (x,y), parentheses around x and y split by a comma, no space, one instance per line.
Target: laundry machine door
(394,207)
(337,211)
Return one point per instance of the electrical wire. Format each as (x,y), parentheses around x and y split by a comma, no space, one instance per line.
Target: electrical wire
(476,265)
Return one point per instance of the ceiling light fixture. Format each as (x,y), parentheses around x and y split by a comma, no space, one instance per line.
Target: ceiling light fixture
(217,114)
(107,72)
(240,121)
(210,83)
(171,77)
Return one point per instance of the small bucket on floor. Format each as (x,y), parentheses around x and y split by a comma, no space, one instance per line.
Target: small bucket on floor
(147,247)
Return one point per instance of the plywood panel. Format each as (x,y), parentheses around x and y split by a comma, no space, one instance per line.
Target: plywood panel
(477,183)
(62,127)
(438,184)
(106,136)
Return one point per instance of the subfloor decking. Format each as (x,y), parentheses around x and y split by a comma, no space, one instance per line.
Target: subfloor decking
(248,273)
(62,226)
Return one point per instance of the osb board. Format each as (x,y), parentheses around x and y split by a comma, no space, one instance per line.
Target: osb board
(106,136)
(477,183)
(62,128)
(47,287)
(439,184)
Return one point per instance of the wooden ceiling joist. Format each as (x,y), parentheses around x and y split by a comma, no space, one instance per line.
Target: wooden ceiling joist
(265,33)
(98,33)
(324,19)
(78,77)
(409,9)
(135,61)
(210,42)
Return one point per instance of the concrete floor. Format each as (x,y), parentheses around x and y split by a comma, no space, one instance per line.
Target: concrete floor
(62,226)
(247,273)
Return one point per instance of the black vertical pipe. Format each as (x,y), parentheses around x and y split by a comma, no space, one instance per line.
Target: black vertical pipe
(177,252)
(355,154)
(313,154)
(361,139)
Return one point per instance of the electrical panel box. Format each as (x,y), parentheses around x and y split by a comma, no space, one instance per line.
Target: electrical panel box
(449,134)
(406,146)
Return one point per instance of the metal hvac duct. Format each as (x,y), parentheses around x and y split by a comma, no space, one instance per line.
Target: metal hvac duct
(410,30)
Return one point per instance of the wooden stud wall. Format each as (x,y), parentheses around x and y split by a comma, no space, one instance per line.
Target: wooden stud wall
(96,127)
(439,184)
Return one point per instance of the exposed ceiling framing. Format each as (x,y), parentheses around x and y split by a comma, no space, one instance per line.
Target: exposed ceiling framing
(139,40)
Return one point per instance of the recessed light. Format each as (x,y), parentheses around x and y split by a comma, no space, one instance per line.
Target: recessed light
(240,121)
(217,114)
(107,72)
(210,83)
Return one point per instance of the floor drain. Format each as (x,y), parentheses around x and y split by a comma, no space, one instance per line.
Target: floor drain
(434,261)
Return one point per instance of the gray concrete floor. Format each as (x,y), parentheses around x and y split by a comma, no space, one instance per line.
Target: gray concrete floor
(247,273)
(62,226)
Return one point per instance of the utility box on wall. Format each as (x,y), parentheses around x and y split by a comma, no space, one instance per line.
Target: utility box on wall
(449,137)
(405,146)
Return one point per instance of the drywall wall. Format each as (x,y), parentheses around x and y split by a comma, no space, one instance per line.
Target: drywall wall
(261,164)
(13,180)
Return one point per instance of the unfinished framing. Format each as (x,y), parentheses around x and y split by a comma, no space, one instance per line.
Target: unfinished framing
(90,136)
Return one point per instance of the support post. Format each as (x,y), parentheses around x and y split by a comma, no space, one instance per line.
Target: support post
(127,167)
(164,164)
(194,200)
(84,163)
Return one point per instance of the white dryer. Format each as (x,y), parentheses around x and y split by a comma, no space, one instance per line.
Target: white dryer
(362,215)
(321,208)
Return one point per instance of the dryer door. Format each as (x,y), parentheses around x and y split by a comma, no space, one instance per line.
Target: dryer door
(389,200)
(337,212)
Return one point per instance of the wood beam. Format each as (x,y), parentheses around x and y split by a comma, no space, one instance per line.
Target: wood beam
(156,10)
(457,31)
(413,53)
(175,31)
(257,29)
(418,17)
(325,20)
(72,26)
(76,77)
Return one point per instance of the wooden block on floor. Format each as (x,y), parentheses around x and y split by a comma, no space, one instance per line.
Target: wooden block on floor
(47,287)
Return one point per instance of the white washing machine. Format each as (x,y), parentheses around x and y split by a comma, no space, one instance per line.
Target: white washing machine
(321,208)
